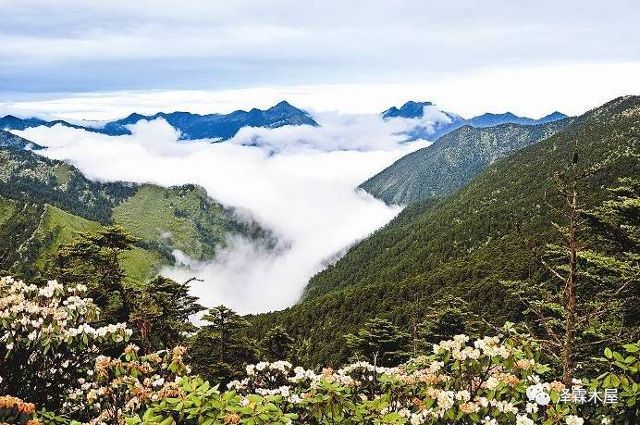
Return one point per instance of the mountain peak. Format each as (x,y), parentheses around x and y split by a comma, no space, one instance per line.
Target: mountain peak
(285,106)
(283,103)
(555,115)
(410,109)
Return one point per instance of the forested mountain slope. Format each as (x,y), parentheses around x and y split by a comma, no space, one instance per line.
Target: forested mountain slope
(451,162)
(11,141)
(465,245)
(29,177)
(45,203)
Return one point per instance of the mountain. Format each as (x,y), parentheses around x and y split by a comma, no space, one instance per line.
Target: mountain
(191,126)
(10,122)
(410,109)
(432,121)
(452,161)
(11,141)
(467,245)
(436,122)
(44,203)
(554,116)
(490,120)
(219,126)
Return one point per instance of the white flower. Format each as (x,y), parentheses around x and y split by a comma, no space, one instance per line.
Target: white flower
(492,383)
(532,392)
(543,398)
(463,395)
(574,420)
(524,420)
(445,399)
(531,408)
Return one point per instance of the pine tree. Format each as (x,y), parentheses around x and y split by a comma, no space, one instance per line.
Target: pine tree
(93,259)
(442,320)
(219,351)
(616,265)
(277,344)
(381,342)
(592,281)
(161,313)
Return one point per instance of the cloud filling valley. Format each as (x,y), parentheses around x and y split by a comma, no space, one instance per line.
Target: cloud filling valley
(298,182)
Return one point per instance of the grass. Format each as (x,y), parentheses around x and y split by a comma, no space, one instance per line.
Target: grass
(176,218)
(57,228)
(140,265)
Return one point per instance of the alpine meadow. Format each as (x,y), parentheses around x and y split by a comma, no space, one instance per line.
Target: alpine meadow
(319,213)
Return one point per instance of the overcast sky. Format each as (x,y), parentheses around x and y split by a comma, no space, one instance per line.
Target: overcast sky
(361,56)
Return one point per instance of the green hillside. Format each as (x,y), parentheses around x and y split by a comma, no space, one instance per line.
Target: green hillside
(464,245)
(183,218)
(56,227)
(7,209)
(45,203)
(451,162)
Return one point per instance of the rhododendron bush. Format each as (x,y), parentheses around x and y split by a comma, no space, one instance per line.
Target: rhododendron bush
(48,339)
(52,354)
(488,381)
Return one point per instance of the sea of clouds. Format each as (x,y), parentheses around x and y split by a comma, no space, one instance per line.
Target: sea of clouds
(298,182)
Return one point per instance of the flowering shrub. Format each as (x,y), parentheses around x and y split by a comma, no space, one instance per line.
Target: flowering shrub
(117,387)
(47,339)
(15,411)
(488,381)
(50,350)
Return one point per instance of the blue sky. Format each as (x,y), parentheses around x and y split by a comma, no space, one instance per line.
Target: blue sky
(56,49)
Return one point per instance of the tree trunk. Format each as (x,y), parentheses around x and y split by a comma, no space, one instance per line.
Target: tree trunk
(570,292)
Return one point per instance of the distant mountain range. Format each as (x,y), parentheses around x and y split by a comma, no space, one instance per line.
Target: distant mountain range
(191,126)
(431,122)
(491,120)
(435,122)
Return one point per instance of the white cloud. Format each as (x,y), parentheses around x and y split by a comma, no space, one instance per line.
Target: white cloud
(362,132)
(305,194)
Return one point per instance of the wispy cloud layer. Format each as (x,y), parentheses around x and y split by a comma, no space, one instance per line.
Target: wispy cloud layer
(305,194)
(79,45)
